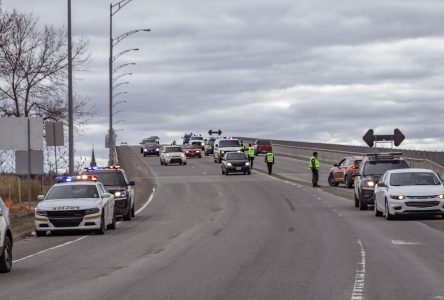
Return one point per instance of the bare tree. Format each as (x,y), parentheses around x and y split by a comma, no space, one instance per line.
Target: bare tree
(33,69)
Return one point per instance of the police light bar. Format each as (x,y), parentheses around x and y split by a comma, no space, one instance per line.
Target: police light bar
(91,168)
(60,179)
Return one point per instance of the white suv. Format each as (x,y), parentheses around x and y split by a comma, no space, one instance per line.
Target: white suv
(222,146)
(5,240)
(172,155)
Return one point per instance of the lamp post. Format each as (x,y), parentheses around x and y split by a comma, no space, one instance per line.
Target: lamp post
(70,98)
(113,9)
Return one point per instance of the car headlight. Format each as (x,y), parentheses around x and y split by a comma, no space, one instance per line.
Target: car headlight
(222,151)
(145,150)
(247,163)
(229,164)
(41,212)
(167,155)
(440,196)
(187,151)
(92,211)
(157,149)
(183,154)
(400,197)
(370,183)
(120,194)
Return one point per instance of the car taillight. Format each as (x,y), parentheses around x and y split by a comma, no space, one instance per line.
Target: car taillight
(354,167)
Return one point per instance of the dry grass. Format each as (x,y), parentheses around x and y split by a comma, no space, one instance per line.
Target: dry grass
(9,188)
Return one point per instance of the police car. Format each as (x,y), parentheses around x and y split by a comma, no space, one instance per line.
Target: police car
(224,145)
(5,240)
(76,203)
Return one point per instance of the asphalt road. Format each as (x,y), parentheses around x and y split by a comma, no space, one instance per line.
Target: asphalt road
(209,236)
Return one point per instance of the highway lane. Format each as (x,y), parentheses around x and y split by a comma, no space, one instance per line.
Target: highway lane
(208,236)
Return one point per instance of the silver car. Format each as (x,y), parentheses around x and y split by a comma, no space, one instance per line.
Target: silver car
(5,239)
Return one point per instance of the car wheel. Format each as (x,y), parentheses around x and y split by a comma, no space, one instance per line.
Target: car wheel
(6,258)
(40,233)
(377,212)
(356,201)
(349,181)
(161,162)
(331,182)
(226,172)
(223,172)
(133,211)
(112,226)
(387,214)
(144,155)
(249,172)
(127,216)
(181,163)
(165,164)
(362,205)
(101,230)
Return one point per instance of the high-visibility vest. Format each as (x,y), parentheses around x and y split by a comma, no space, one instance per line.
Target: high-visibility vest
(270,157)
(251,151)
(313,163)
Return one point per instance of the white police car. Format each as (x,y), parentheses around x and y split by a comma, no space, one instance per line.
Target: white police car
(5,240)
(77,203)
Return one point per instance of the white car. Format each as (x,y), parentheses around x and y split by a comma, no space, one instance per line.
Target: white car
(409,191)
(5,240)
(224,145)
(197,140)
(75,205)
(172,155)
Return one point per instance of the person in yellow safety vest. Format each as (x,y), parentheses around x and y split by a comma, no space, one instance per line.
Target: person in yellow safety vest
(242,146)
(173,143)
(269,159)
(313,165)
(250,155)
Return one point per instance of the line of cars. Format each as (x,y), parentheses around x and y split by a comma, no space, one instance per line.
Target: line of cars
(386,182)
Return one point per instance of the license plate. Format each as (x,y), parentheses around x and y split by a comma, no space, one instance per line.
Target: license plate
(238,168)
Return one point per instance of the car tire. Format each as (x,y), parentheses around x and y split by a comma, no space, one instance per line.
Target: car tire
(40,233)
(249,172)
(223,172)
(348,181)
(112,226)
(377,212)
(356,200)
(144,155)
(331,182)
(181,163)
(6,256)
(165,164)
(184,163)
(362,205)
(101,230)
(133,211)
(127,216)
(226,172)
(387,214)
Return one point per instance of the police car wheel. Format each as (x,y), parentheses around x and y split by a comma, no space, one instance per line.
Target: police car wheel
(40,233)
(112,226)
(133,211)
(127,216)
(184,163)
(101,230)
(6,258)
(362,205)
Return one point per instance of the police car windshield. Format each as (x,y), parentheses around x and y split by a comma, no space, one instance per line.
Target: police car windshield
(72,192)
(193,138)
(173,149)
(236,156)
(414,178)
(379,167)
(229,143)
(210,142)
(110,178)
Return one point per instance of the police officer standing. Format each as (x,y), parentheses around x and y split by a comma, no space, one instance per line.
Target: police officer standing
(251,155)
(313,165)
(269,159)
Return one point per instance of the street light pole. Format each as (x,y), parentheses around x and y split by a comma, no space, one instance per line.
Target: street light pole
(70,100)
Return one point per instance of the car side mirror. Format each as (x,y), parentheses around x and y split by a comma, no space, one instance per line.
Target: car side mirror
(381,184)
(40,198)
(335,165)
(132,183)
(106,195)
(217,145)
(1,212)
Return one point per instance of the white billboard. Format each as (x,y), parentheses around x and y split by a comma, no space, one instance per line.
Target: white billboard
(14,133)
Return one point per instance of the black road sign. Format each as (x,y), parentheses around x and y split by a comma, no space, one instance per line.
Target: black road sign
(210,132)
(370,138)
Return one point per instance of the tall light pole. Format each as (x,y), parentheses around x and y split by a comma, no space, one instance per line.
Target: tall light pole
(70,100)
(113,9)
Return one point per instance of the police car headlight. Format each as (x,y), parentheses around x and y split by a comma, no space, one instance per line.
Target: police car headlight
(222,151)
(120,194)
(247,164)
(370,183)
(157,149)
(92,211)
(183,154)
(229,164)
(145,150)
(167,155)
(440,196)
(41,212)
(400,197)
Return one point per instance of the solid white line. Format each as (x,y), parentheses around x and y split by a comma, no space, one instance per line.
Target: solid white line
(398,242)
(52,248)
(358,287)
(80,238)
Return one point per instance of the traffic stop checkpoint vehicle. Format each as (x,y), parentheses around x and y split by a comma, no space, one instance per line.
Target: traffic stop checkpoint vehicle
(117,183)
(75,203)
(225,145)
(372,167)
(5,239)
(344,171)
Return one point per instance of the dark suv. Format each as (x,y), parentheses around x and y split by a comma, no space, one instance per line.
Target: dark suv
(116,182)
(372,167)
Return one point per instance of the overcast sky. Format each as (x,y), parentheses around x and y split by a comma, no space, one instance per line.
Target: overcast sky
(308,70)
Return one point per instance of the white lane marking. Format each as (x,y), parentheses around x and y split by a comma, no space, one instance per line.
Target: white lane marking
(82,237)
(51,248)
(399,242)
(358,287)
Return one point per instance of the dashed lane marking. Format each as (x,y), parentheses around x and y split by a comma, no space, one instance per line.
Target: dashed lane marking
(399,242)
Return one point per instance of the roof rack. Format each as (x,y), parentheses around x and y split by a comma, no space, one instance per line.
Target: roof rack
(383,155)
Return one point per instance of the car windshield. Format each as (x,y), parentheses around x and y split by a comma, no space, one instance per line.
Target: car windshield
(111,178)
(210,142)
(263,142)
(173,149)
(229,143)
(146,141)
(196,138)
(151,145)
(236,156)
(73,192)
(379,167)
(414,178)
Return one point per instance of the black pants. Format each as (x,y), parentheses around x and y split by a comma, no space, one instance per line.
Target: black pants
(251,158)
(315,177)
(270,166)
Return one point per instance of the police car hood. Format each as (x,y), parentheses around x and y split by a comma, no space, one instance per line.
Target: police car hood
(69,204)
(416,190)
(111,189)
(230,148)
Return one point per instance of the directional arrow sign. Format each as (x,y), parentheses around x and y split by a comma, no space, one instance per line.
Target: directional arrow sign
(370,138)
(398,137)
(210,132)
